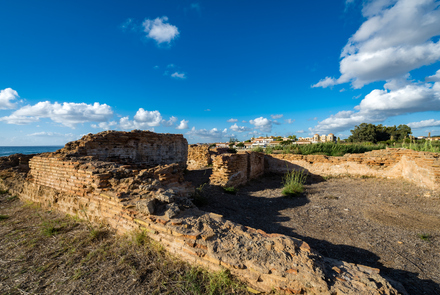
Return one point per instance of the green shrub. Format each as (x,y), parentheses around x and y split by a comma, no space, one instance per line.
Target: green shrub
(230,190)
(294,182)
(258,149)
(269,150)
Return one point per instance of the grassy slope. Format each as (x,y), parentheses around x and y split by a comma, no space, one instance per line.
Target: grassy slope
(48,252)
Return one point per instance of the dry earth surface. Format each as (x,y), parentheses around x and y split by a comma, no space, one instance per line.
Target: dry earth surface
(44,252)
(387,224)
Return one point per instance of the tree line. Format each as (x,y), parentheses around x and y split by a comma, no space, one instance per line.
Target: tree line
(377,133)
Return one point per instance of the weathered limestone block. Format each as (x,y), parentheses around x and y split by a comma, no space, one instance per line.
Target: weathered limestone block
(199,156)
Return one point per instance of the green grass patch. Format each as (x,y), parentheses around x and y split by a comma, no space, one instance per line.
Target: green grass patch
(230,190)
(3,217)
(293,182)
(425,237)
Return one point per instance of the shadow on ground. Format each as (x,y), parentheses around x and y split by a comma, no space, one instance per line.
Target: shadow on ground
(264,212)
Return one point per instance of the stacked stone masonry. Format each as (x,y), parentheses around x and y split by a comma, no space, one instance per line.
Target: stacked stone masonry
(110,192)
(421,168)
(232,170)
(199,156)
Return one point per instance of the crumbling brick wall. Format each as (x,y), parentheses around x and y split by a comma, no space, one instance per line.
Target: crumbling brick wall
(120,195)
(421,168)
(199,156)
(236,169)
(136,147)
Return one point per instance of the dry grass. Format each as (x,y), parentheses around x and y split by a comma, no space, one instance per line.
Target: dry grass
(47,252)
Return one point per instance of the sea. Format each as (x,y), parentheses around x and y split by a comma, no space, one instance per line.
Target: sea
(10,150)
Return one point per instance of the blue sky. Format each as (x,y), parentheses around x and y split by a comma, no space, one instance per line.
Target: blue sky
(212,70)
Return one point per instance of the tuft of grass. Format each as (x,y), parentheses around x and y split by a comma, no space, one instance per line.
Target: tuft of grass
(230,190)
(3,217)
(425,237)
(293,182)
(49,229)
(199,198)
(4,192)
(12,198)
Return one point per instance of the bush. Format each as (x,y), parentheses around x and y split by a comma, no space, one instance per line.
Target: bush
(230,190)
(258,149)
(294,182)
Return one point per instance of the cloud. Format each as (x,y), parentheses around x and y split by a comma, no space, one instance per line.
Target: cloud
(357,96)
(156,67)
(263,124)
(300,131)
(148,118)
(170,66)
(183,125)
(379,105)
(178,75)
(276,116)
(52,134)
(170,122)
(289,121)
(434,78)
(6,97)
(126,124)
(207,110)
(424,124)
(68,114)
(213,135)
(105,125)
(128,25)
(159,30)
(326,82)
(237,128)
(397,37)
(232,120)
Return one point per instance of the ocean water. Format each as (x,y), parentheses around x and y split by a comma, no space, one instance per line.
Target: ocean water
(9,150)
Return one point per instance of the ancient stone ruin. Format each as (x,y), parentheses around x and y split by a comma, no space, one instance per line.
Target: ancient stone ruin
(134,180)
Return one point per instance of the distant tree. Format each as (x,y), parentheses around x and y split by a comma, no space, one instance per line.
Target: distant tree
(247,140)
(233,140)
(286,142)
(292,137)
(374,133)
(278,138)
(240,144)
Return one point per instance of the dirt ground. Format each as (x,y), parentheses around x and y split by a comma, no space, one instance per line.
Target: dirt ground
(387,224)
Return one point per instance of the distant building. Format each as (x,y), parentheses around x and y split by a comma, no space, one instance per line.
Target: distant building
(317,138)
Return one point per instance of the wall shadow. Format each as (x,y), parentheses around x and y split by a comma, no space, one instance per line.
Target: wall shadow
(265,213)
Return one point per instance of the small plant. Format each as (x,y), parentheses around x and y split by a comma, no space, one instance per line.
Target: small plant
(230,190)
(199,198)
(12,198)
(425,237)
(49,229)
(3,192)
(294,182)
(269,150)
(140,238)
(3,217)
(258,149)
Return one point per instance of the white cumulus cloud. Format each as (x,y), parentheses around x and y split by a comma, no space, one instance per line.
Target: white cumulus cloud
(183,125)
(105,125)
(424,124)
(7,96)
(378,105)
(148,118)
(160,30)
(178,75)
(170,122)
(212,135)
(232,120)
(263,124)
(289,121)
(397,37)
(276,116)
(237,128)
(68,114)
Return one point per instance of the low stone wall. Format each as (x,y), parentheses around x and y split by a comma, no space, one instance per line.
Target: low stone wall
(265,261)
(198,156)
(129,195)
(421,168)
(232,170)
(143,148)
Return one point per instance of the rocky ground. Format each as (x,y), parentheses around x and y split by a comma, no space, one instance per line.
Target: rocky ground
(387,224)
